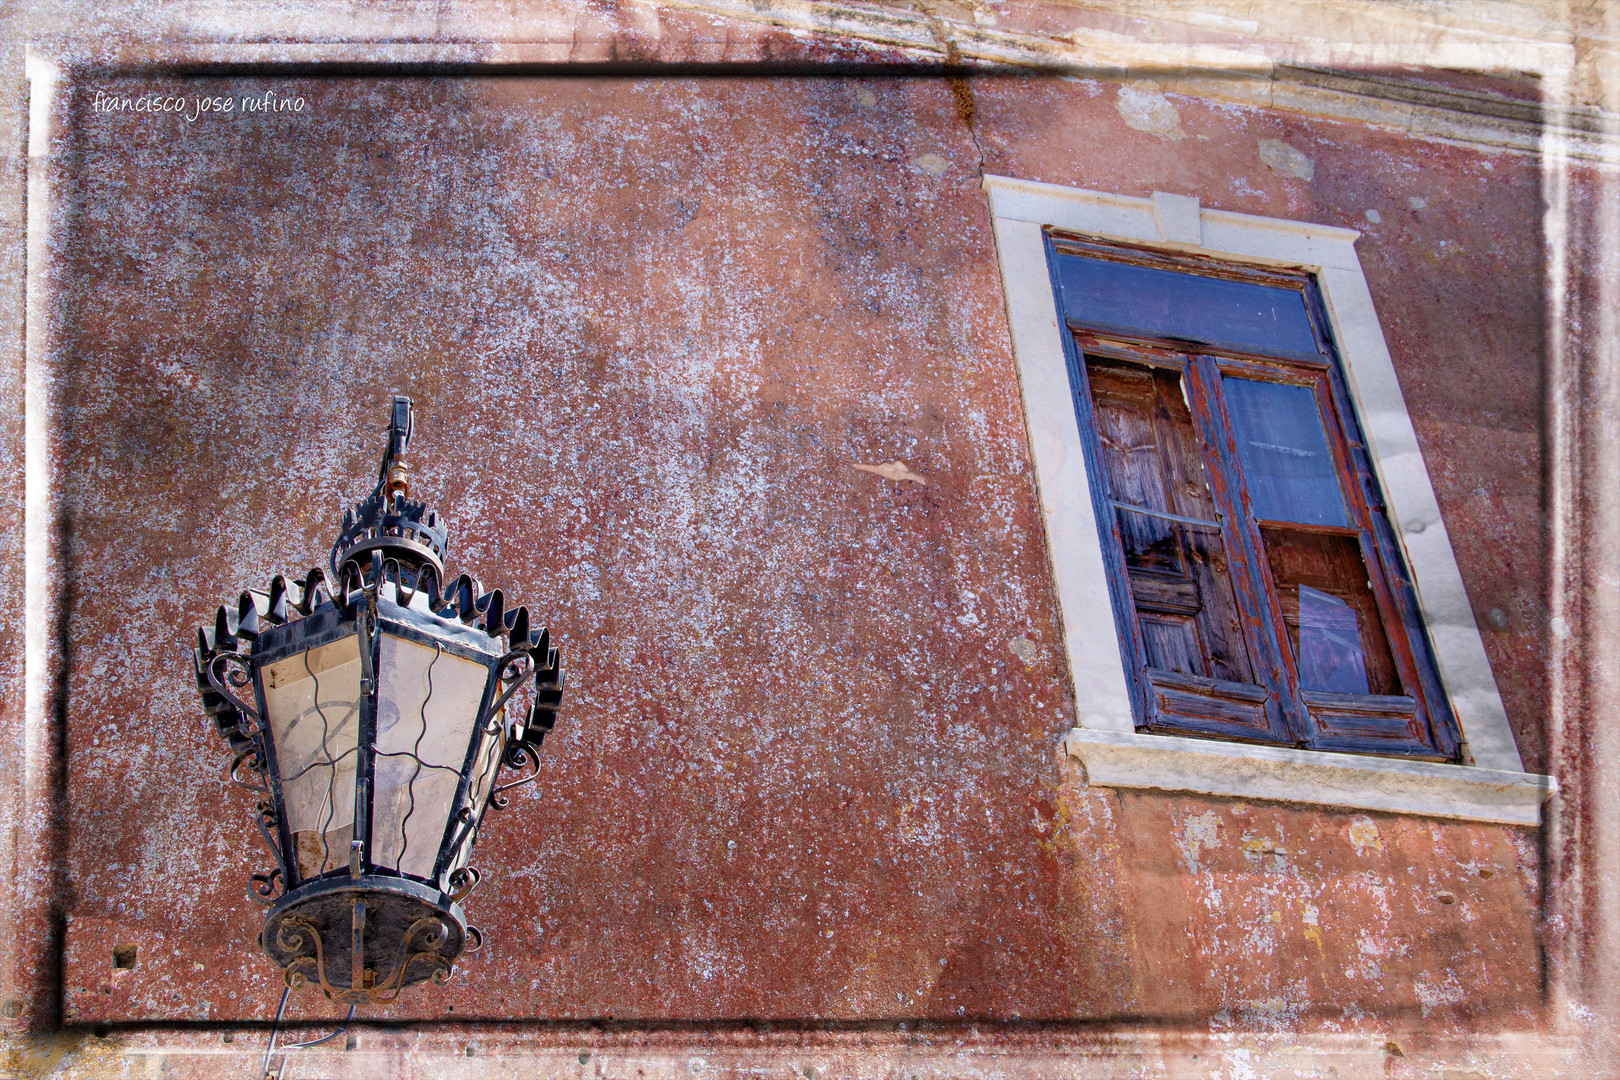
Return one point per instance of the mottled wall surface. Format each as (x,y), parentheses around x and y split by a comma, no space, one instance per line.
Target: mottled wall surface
(806,767)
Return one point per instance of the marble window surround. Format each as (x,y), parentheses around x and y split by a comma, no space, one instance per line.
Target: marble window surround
(1494,787)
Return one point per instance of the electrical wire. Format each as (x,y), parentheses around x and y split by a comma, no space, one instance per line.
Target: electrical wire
(323,1038)
(274,1028)
(269,1051)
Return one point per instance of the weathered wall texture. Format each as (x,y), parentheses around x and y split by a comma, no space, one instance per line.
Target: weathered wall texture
(807,769)
(804,809)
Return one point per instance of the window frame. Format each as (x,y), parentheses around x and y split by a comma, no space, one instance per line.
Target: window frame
(1490,783)
(1297,716)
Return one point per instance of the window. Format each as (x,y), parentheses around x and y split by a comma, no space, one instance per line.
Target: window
(1258,589)
(1237,482)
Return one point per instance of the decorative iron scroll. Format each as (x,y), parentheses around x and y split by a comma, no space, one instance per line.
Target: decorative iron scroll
(419,957)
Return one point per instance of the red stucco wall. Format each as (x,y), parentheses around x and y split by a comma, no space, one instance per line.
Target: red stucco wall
(652,326)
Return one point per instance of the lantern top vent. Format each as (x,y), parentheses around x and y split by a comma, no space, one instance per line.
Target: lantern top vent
(387,521)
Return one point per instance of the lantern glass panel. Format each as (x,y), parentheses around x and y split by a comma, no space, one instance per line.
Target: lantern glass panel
(427,707)
(485,765)
(312,700)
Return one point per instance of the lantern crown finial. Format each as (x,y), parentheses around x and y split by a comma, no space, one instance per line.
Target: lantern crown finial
(387,521)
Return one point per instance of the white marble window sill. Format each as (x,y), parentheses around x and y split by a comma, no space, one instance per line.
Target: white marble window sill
(1121,759)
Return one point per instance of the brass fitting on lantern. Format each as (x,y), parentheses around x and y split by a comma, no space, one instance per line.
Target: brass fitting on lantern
(397,482)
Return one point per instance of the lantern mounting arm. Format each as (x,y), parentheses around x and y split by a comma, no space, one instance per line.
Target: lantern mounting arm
(387,521)
(393,475)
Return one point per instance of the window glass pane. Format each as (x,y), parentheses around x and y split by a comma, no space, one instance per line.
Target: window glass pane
(1188,306)
(1180,576)
(1330,656)
(1324,590)
(1290,471)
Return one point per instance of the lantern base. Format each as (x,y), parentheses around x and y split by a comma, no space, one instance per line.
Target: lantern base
(364,939)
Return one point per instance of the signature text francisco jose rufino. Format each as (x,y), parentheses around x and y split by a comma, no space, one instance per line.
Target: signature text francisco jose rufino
(193,107)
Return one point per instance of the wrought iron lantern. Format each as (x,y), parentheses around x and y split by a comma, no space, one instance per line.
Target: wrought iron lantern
(370,707)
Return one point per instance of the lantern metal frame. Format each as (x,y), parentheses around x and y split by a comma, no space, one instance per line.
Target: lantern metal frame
(365,930)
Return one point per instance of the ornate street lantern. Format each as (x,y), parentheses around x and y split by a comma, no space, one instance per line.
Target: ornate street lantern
(370,708)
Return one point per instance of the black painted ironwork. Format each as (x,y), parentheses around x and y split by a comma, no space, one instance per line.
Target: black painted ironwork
(366,922)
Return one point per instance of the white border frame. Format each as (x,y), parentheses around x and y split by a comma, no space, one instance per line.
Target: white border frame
(1495,786)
